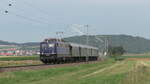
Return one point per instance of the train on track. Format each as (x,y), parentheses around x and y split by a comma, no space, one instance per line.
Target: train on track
(58,51)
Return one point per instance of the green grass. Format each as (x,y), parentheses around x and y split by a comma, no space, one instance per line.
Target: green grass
(19,58)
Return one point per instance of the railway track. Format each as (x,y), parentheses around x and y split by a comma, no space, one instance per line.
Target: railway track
(41,66)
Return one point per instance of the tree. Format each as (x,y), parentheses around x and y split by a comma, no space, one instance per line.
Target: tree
(116,51)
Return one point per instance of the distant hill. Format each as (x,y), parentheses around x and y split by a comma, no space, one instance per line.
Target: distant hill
(30,46)
(130,43)
(23,46)
(7,43)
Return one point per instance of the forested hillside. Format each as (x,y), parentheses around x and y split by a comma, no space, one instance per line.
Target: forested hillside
(130,43)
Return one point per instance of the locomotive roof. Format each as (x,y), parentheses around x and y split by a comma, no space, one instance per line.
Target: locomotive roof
(84,46)
(53,39)
(72,44)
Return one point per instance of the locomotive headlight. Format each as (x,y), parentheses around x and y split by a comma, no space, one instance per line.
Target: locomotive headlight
(51,45)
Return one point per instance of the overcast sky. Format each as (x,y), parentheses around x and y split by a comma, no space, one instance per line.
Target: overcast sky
(34,20)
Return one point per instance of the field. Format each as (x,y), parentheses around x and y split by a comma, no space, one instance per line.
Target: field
(128,71)
(18,60)
(137,56)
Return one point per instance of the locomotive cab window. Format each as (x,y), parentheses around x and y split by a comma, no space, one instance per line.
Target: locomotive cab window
(43,45)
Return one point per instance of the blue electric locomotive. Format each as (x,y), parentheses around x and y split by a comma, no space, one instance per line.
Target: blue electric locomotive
(58,51)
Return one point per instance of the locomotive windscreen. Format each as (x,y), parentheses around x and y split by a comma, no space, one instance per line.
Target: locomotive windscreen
(47,45)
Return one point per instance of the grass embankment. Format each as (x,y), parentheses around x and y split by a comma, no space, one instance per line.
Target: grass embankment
(106,72)
(19,60)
